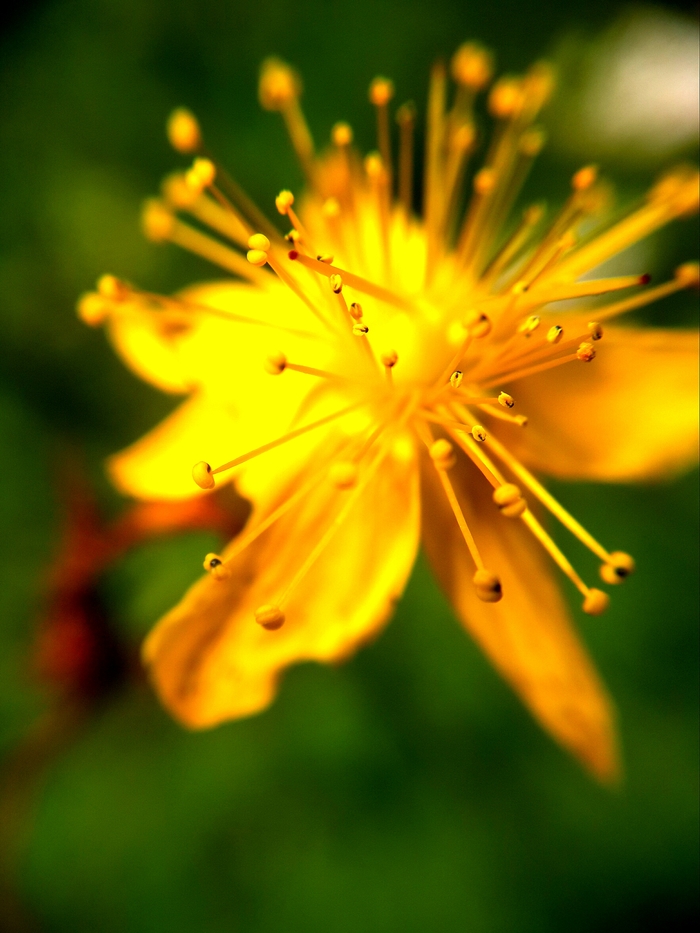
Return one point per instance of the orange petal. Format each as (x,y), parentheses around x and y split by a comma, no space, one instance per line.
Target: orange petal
(211,661)
(527,635)
(631,414)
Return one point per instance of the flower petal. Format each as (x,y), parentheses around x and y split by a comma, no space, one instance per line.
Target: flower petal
(528,635)
(178,349)
(631,414)
(211,661)
(159,465)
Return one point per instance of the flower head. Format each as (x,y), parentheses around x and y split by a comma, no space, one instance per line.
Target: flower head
(369,374)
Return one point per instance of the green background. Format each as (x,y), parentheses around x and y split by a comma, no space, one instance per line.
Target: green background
(406,790)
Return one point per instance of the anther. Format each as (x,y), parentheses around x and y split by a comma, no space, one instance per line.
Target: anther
(478,324)
(359,330)
(595,330)
(214,565)
(157,221)
(554,334)
(279,84)
(201,175)
(374,166)
(259,241)
(584,178)
(389,359)
(617,568)
(257,257)
(484,181)
(202,475)
(472,66)
(529,326)
(688,274)
(183,131)
(284,201)
(343,474)
(586,352)
(487,586)
(506,98)
(456,379)
(442,454)
(341,134)
(336,283)
(276,364)
(507,401)
(596,602)
(479,433)
(270,617)
(356,311)
(381,90)
(532,142)
(92,309)
(509,500)
(406,114)
(112,288)
(331,208)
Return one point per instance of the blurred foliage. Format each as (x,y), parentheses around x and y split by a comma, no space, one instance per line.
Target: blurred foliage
(407,790)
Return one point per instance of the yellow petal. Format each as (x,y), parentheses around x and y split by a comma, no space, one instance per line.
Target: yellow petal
(180,349)
(631,414)
(209,658)
(159,465)
(527,635)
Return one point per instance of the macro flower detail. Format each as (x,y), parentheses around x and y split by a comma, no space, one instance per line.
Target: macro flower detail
(370,378)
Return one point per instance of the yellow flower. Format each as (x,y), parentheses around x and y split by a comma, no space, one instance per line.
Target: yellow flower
(370,380)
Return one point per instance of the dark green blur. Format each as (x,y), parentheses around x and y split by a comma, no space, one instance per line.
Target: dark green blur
(406,791)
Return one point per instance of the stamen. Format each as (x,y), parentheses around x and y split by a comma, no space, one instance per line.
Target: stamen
(92,309)
(214,565)
(201,474)
(406,118)
(279,89)
(270,617)
(442,453)
(183,131)
(585,353)
(433,206)
(485,587)
(509,500)
(204,471)
(160,224)
(259,257)
(513,245)
(548,500)
(334,526)
(617,568)
(687,276)
(381,91)
(354,281)
(283,203)
(544,295)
